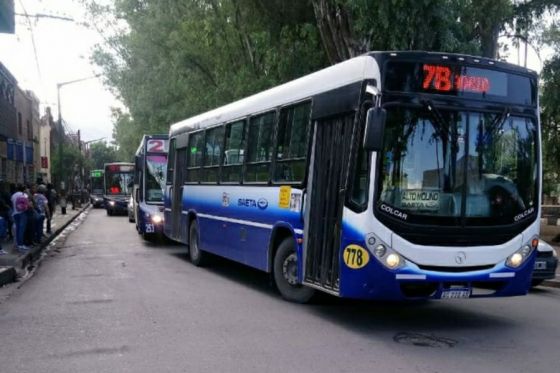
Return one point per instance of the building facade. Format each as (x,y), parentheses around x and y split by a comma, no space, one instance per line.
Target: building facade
(19,133)
(8,124)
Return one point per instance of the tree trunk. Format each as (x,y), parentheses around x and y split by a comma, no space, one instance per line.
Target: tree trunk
(334,25)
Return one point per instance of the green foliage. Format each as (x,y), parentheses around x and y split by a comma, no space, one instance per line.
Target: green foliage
(67,161)
(101,153)
(171,59)
(550,121)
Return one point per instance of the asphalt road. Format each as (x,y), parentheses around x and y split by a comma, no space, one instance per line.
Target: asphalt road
(109,302)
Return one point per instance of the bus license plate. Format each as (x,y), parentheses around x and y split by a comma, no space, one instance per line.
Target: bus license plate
(456,294)
(149,228)
(540,265)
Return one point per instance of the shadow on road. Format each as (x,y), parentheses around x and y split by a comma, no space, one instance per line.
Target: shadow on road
(371,317)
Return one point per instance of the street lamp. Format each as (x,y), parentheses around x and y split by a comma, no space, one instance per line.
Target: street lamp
(60,127)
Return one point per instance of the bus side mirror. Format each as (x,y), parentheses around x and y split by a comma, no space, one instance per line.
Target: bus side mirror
(375,126)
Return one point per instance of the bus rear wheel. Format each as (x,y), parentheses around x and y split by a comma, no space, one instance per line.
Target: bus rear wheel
(285,271)
(197,256)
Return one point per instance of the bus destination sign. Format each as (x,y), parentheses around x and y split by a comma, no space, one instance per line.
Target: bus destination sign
(442,78)
(120,168)
(488,83)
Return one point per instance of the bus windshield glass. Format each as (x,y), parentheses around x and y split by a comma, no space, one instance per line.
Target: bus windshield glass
(119,179)
(97,184)
(458,167)
(156,169)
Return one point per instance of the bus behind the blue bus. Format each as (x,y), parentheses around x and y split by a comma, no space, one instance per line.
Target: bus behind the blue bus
(393,175)
(149,183)
(96,184)
(118,185)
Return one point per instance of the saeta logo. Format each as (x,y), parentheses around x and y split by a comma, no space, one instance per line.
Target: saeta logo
(262,203)
(246,202)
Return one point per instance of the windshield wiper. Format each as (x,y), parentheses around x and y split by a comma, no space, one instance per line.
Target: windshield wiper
(499,121)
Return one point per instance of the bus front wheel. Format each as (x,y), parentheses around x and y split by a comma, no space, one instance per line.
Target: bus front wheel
(286,274)
(197,256)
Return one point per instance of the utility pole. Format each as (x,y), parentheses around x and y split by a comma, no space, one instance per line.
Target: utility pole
(61,127)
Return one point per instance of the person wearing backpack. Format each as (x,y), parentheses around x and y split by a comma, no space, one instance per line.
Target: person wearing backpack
(20,204)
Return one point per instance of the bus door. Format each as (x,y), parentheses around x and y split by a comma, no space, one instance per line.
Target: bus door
(177,230)
(328,171)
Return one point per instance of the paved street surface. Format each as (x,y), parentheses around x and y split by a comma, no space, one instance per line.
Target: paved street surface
(109,302)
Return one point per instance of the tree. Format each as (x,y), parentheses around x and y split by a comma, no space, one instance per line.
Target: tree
(101,153)
(67,164)
(550,113)
(171,59)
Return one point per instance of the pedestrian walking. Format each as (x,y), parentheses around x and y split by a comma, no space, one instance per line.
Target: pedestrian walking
(20,205)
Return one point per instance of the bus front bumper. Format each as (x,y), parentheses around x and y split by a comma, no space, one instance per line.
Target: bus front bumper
(413,283)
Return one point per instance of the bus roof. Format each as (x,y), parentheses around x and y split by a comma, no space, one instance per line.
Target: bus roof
(339,75)
(344,73)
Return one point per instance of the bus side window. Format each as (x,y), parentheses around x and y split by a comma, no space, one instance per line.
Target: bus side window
(171,162)
(259,150)
(233,152)
(196,144)
(291,148)
(212,154)
(361,177)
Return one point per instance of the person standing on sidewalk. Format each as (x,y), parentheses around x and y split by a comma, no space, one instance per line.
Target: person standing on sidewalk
(42,209)
(20,204)
(2,234)
(51,197)
(32,216)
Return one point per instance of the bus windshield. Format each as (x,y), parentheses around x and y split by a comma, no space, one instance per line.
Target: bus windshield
(119,181)
(156,169)
(458,167)
(97,185)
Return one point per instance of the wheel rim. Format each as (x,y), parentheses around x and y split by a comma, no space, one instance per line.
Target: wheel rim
(289,269)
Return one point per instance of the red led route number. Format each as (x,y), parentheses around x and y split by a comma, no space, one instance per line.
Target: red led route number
(441,78)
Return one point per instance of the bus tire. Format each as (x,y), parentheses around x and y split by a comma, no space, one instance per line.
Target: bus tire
(197,256)
(109,213)
(285,274)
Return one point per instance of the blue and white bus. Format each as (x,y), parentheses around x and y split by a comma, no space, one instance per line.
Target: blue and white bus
(393,175)
(118,186)
(149,183)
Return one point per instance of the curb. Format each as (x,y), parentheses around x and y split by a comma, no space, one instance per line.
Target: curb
(9,274)
(551,283)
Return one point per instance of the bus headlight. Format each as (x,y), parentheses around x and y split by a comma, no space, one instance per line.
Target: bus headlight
(111,203)
(388,257)
(156,219)
(393,260)
(519,257)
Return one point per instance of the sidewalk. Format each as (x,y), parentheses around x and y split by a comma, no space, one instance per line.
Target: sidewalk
(12,263)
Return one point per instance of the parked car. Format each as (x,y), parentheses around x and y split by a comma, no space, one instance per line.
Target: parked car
(130,208)
(545,264)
